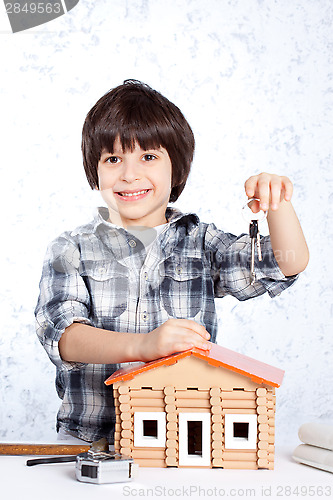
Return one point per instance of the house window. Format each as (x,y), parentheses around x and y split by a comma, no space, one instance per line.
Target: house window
(240,431)
(149,429)
(194,439)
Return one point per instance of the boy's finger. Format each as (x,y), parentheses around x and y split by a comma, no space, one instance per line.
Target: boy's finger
(263,192)
(250,186)
(188,338)
(182,346)
(198,341)
(254,206)
(276,187)
(288,186)
(193,325)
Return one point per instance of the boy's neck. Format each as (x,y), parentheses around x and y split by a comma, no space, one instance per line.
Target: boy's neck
(135,227)
(135,223)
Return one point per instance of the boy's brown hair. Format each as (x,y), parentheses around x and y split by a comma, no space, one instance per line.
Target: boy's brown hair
(135,112)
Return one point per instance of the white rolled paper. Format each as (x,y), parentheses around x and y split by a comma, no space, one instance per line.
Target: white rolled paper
(317,435)
(315,457)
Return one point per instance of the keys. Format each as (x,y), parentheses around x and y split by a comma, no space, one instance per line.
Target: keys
(255,241)
(254,219)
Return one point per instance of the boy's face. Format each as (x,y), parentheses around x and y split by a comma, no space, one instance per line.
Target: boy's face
(135,185)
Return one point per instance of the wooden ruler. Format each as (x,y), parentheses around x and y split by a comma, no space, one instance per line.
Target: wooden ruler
(42,449)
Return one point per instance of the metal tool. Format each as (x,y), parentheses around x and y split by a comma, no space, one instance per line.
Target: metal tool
(255,240)
(253,219)
(104,467)
(96,446)
(97,464)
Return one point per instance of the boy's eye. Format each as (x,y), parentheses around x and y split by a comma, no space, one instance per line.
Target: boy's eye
(113,159)
(149,157)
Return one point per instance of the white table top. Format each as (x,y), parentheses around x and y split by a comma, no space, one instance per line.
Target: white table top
(57,481)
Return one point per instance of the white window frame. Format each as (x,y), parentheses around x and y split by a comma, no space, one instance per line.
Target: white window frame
(149,441)
(237,443)
(184,457)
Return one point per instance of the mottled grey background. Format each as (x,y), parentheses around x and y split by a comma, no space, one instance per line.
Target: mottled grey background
(254,80)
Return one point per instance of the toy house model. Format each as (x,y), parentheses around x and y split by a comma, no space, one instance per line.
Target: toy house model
(197,408)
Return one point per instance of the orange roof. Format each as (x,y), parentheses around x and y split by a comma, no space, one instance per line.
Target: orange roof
(216,356)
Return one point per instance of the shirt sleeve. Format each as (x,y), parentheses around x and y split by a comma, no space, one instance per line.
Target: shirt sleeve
(63,297)
(230,260)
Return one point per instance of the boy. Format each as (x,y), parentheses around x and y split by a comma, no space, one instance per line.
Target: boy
(139,281)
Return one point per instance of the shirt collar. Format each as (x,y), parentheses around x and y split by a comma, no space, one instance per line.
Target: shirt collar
(173,215)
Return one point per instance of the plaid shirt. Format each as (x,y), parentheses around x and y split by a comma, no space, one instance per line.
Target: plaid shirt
(101,275)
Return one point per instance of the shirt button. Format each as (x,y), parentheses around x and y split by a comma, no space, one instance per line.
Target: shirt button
(101,270)
(145,276)
(132,243)
(144,316)
(178,269)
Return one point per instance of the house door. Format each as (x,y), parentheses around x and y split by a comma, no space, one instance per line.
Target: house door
(194,439)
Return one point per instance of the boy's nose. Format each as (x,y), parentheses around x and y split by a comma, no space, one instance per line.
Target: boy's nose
(130,171)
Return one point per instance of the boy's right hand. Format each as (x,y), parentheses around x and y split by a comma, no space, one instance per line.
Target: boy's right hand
(175,335)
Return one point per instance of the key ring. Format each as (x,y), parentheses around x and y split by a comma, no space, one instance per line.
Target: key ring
(249,216)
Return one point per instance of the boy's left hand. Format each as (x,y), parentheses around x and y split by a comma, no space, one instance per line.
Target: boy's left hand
(270,189)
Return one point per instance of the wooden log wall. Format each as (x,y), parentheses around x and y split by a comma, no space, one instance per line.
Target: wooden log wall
(216,401)
(172,441)
(238,401)
(126,420)
(266,427)
(150,400)
(217,427)
(193,401)
(117,429)
(271,408)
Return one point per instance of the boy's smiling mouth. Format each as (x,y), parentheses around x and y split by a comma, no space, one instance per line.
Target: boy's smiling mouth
(132,195)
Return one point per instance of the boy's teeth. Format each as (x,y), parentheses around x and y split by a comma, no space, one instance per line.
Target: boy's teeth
(134,194)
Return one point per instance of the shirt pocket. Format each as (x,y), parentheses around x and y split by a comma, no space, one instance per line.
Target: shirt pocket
(182,287)
(107,283)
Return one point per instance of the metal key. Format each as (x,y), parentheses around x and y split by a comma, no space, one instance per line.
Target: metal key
(254,219)
(255,240)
